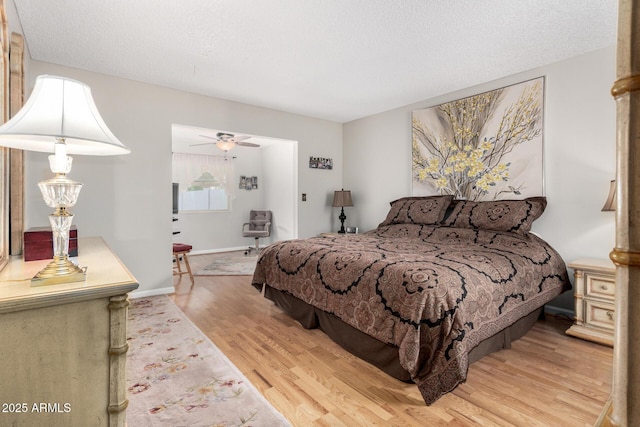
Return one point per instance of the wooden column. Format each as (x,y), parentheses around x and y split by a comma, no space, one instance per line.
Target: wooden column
(625,409)
(118,348)
(16,182)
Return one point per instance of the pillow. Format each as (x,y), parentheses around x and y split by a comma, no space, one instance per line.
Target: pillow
(418,210)
(499,215)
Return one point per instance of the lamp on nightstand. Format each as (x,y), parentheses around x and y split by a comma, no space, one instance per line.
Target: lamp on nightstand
(610,204)
(340,200)
(61,118)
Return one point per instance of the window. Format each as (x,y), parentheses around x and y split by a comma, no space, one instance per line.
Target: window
(204,182)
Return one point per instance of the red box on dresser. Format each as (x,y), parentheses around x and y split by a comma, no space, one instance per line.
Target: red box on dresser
(38,243)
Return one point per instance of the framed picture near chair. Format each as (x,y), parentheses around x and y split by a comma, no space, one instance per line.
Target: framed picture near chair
(248,183)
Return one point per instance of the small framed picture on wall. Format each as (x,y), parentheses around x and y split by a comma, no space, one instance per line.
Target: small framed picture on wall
(320,163)
(248,183)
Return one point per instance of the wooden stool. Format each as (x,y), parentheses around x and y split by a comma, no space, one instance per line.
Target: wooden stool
(181,250)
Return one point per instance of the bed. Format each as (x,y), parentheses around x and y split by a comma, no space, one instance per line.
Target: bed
(437,285)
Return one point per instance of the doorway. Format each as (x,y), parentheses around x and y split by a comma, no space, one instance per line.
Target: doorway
(268,164)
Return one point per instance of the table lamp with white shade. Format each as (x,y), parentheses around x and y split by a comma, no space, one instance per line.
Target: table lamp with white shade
(60,117)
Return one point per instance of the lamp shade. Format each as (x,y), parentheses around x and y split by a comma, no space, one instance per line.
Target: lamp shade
(342,198)
(610,204)
(60,108)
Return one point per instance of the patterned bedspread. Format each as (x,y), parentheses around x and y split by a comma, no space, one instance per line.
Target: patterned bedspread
(434,292)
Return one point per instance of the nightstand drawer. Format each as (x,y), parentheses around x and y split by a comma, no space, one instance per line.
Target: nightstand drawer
(600,286)
(599,314)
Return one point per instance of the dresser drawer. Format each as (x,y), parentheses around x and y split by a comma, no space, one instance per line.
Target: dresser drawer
(600,286)
(599,314)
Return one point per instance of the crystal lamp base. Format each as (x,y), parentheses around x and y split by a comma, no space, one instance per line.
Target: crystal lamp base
(60,270)
(60,193)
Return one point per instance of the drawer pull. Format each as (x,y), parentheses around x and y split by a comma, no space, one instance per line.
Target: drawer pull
(603,287)
(610,315)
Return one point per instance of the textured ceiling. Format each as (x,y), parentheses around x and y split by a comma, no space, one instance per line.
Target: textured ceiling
(333,59)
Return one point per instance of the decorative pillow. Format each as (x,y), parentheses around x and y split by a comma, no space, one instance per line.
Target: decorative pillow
(499,215)
(418,210)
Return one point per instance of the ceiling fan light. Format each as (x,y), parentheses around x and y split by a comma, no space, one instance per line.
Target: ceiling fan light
(225,145)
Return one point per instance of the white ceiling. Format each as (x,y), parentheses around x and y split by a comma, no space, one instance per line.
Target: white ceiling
(333,59)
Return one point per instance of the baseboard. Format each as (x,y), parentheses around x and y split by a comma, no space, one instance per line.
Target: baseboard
(152,292)
(559,310)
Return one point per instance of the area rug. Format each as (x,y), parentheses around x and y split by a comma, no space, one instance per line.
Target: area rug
(177,377)
(229,264)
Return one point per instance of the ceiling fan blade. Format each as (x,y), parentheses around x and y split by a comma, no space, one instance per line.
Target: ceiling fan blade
(202,143)
(240,137)
(247,144)
(211,137)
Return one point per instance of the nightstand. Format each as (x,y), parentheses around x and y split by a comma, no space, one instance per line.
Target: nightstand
(595,293)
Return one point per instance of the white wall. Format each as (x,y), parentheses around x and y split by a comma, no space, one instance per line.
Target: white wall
(127,199)
(579,156)
(280,183)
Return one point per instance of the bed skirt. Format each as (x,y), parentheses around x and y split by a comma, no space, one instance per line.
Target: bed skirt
(380,354)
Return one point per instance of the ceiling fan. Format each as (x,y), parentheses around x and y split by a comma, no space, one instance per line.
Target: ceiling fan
(226,141)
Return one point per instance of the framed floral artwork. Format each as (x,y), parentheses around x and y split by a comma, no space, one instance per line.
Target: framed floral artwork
(484,147)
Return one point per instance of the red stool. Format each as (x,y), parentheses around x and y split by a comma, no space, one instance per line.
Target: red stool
(181,250)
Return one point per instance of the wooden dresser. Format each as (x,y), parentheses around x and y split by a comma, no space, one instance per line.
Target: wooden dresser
(63,347)
(595,292)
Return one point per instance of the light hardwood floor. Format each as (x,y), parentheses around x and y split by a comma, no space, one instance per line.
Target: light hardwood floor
(546,379)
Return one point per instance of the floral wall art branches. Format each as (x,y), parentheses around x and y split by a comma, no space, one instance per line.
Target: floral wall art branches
(484,147)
